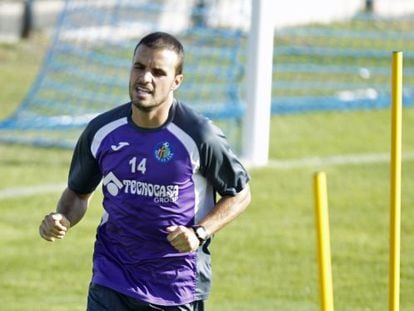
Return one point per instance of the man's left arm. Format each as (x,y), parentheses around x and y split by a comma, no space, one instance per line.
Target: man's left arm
(226,210)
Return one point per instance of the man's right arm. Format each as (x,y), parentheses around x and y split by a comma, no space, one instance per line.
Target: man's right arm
(70,210)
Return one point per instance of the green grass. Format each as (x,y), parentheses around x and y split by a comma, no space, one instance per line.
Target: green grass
(266,260)
(19,65)
(330,133)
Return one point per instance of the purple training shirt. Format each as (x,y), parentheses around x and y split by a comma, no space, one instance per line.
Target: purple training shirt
(152,179)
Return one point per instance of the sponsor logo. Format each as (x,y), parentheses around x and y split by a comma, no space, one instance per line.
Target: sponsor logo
(112,183)
(120,145)
(163,152)
(159,193)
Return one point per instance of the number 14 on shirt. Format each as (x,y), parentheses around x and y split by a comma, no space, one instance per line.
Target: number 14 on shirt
(141,167)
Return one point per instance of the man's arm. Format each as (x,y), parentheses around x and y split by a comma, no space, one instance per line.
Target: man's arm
(226,210)
(70,210)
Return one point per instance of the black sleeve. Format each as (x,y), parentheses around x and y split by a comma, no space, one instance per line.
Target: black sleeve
(220,165)
(84,174)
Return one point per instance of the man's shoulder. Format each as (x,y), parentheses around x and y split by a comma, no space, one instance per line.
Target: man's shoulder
(114,114)
(189,119)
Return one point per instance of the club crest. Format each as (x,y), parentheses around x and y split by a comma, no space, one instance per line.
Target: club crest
(163,152)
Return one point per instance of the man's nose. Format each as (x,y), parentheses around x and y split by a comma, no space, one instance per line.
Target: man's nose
(146,77)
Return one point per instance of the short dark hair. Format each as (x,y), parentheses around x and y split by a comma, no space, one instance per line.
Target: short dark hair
(163,40)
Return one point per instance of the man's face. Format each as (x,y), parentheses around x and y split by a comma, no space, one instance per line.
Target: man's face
(152,78)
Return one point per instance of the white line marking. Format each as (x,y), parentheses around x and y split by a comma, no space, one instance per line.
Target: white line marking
(10,193)
(350,159)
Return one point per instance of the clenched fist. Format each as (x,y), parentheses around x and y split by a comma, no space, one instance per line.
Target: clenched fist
(54,226)
(183,239)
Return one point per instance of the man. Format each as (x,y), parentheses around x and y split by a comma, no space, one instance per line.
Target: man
(160,164)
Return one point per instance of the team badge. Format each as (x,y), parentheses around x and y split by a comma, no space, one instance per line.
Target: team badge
(163,152)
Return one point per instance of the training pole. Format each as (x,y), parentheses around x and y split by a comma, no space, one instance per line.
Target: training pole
(395,182)
(323,241)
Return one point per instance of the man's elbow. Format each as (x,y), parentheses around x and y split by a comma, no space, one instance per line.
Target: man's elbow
(85,197)
(246,197)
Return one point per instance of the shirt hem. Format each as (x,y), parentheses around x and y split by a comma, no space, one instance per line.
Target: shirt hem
(160,302)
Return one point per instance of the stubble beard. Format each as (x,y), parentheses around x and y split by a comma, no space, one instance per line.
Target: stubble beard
(146,109)
(151,105)
(140,105)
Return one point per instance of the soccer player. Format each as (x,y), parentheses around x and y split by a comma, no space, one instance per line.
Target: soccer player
(161,165)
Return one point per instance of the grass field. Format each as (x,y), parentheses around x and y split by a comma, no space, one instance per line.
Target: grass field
(266,260)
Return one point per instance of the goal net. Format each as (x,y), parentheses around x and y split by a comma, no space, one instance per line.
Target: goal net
(342,65)
(86,69)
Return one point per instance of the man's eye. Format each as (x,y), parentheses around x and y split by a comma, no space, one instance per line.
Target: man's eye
(158,73)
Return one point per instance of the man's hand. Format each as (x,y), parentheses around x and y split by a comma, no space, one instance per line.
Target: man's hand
(183,239)
(54,226)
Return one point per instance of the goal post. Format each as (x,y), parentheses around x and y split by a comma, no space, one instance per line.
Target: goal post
(256,123)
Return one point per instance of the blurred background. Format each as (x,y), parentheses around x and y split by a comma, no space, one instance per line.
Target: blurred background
(328,55)
(62,62)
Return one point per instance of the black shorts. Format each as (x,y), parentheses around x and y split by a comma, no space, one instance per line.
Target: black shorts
(102,298)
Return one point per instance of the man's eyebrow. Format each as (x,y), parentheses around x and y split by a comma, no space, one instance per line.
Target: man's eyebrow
(159,69)
(153,68)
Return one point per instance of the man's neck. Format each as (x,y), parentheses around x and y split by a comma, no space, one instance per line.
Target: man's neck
(153,118)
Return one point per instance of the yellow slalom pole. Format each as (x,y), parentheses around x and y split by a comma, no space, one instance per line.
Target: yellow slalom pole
(323,239)
(395,182)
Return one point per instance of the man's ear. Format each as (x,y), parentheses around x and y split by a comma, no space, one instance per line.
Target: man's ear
(177,82)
